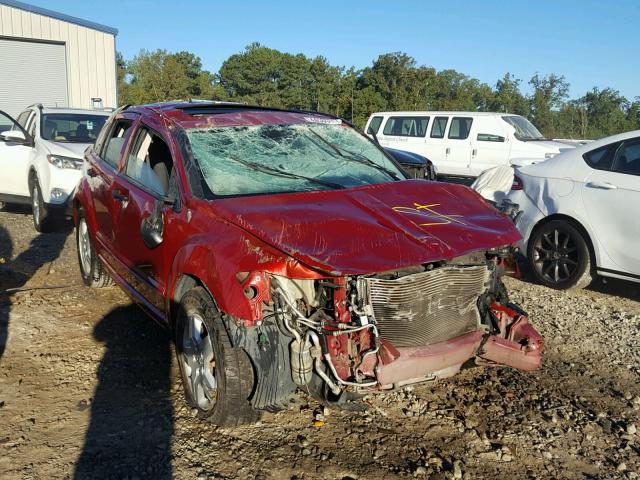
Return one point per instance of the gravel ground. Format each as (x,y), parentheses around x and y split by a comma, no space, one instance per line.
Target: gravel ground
(89,387)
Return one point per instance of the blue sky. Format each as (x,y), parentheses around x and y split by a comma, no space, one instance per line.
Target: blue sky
(591,43)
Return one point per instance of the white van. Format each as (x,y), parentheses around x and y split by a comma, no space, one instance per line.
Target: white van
(463,143)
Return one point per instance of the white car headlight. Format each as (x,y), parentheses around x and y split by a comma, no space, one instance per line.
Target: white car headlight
(549,155)
(65,162)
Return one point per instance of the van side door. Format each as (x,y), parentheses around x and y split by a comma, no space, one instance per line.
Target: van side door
(489,145)
(458,147)
(435,143)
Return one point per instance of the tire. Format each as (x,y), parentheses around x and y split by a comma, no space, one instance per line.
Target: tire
(42,220)
(91,269)
(217,378)
(558,256)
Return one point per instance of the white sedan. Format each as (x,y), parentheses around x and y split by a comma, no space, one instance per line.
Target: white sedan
(581,213)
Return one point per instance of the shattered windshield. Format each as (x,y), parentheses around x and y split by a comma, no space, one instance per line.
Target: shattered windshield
(270,158)
(525,130)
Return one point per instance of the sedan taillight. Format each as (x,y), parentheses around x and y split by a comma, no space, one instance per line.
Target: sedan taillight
(517,184)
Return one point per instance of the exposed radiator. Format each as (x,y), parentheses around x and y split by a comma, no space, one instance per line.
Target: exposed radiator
(426,307)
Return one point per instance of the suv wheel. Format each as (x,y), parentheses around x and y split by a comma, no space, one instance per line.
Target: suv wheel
(91,268)
(217,378)
(41,217)
(559,256)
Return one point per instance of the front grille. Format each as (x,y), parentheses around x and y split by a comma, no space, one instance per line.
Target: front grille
(426,307)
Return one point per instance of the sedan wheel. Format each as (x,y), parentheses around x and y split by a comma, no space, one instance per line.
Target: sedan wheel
(559,256)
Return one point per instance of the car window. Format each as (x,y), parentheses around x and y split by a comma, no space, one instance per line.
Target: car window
(31,125)
(23,117)
(406,126)
(628,158)
(439,126)
(6,123)
(72,127)
(149,162)
(489,137)
(375,124)
(601,158)
(118,138)
(460,128)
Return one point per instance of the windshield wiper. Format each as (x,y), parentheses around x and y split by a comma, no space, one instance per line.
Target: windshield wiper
(281,173)
(356,157)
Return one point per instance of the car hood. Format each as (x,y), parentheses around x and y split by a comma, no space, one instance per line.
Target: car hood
(403,156)
(73,150)
(374,228)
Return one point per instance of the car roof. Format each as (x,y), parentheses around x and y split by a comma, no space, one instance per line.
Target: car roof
(441,112)
(81,111)
(208,114)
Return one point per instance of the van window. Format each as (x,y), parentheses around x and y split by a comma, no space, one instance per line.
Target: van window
(374,126)
(439,126)
(406,126)
(460,128)
(489,137)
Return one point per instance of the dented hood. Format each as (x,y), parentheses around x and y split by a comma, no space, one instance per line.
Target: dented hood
(374,228)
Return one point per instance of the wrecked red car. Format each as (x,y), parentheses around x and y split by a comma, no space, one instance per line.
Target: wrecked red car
(286,250)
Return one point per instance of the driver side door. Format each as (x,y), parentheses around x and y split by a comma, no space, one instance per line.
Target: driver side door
(14,163)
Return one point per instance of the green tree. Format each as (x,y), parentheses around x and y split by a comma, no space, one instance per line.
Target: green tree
(548,95)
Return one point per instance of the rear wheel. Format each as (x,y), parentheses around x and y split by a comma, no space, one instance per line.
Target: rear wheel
(217,378)
(91,268)
(559,256)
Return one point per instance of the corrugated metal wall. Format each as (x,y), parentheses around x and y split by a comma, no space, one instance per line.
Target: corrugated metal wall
(90,54)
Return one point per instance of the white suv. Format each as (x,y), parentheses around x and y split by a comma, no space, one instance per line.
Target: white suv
(41,157)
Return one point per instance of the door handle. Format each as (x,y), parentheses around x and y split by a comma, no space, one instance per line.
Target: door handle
(447,151)
(602,185)
(119,196)
(474,152)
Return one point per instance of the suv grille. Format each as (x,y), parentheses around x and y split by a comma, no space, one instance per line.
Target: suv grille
(426,307)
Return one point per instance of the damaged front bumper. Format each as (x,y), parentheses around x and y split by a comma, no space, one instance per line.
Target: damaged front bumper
(517,345)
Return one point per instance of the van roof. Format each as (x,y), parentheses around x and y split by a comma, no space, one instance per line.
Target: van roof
(438,112)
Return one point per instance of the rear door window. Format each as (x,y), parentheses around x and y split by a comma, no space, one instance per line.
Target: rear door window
(374,126)
(117,140)
(439,126)
(628,158)
(460,128)
(601,158)
(406,126)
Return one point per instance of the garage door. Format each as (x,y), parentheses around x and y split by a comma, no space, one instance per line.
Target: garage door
(32,72)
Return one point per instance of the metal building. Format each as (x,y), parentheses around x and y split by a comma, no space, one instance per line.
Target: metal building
(54,59)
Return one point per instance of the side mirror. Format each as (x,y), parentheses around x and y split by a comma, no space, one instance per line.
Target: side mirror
(14,136)
(152,227)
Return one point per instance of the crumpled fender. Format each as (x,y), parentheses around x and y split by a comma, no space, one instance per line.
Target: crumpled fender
(217,259)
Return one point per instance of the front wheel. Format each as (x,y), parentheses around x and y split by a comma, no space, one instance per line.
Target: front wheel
(41,217)
(559,256)
(217,378)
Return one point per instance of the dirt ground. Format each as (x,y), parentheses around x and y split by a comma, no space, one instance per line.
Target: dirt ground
(89,388)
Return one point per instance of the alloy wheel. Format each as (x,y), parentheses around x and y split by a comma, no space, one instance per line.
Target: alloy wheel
(556,255)
(35,204)
(84,246)
(198,362)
